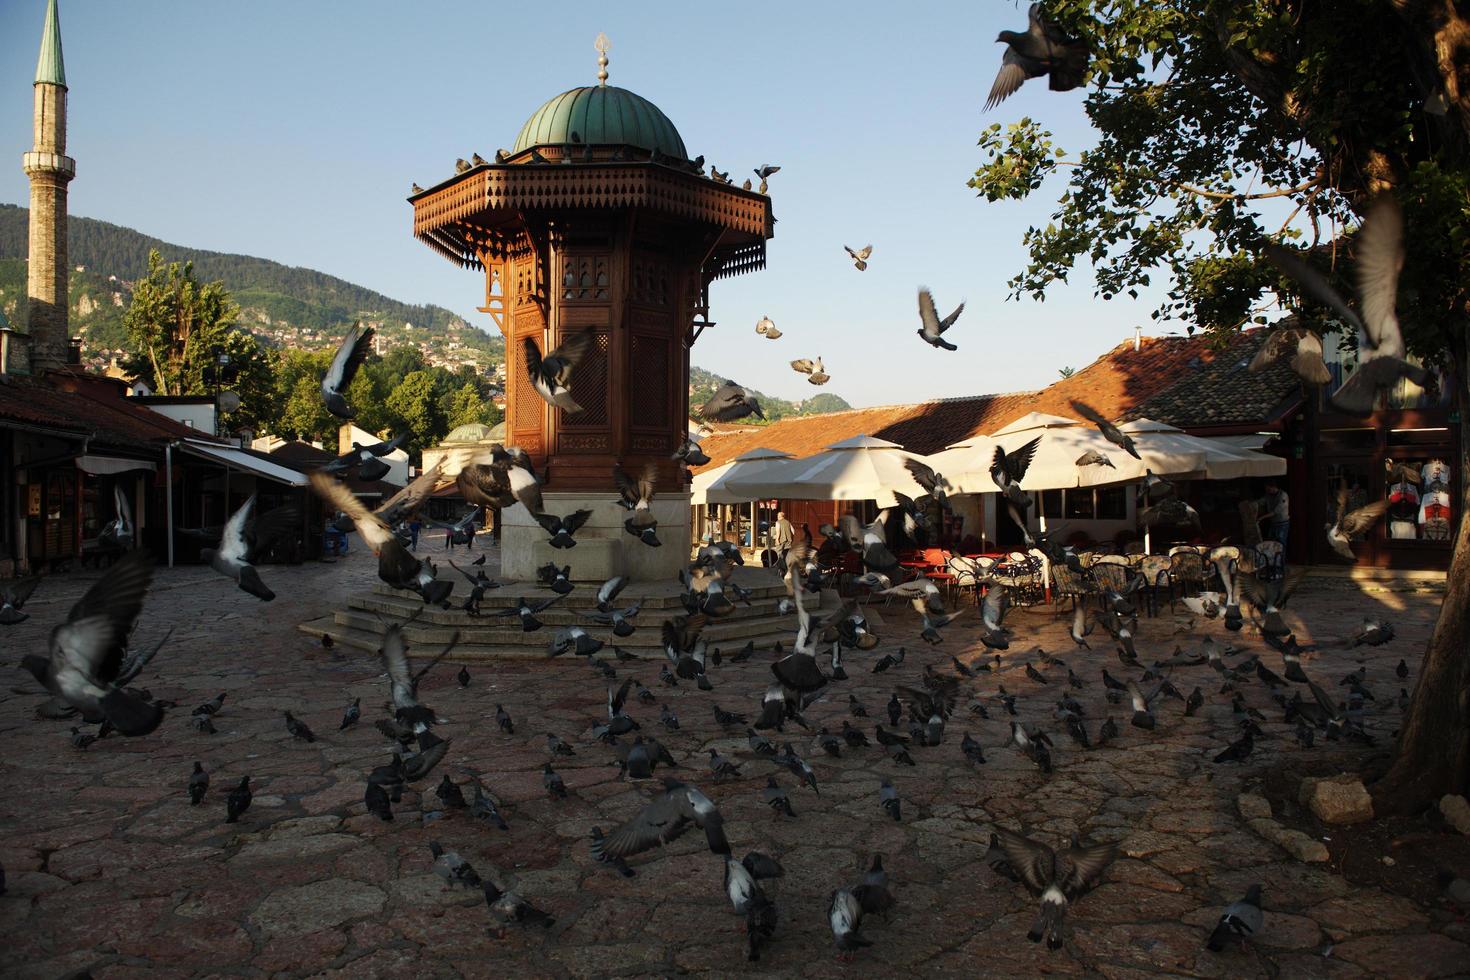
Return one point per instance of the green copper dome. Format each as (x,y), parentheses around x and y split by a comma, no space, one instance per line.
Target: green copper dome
(602,114)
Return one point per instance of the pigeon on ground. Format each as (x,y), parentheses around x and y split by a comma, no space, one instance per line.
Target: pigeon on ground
(1055,878)
(931,328)
(375,799)
(81,739)
(238,801)
(859,256)
(351,715)
(85,665)
(972,749)
(888,799)
(774,796)
(198,784)
(350,355)
(299,729)
(1240,920)
(788,759)
(551,779)
(450,794)
(1041,50)
(1238,750)
(511,909)
(13,596)
(454,869)
(1376,632)
(526,611)
(484,808)
(845,917)
(551,375)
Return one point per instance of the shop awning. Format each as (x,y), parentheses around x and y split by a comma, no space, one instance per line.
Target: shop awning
(107,465)
(246,462)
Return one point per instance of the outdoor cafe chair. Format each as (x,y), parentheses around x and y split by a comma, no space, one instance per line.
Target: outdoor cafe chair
(1067,584)
(969,573)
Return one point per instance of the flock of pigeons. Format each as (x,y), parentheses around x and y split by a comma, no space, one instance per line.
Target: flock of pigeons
(91,667)
(91,670)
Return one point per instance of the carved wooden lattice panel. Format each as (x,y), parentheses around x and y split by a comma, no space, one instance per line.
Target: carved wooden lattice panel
(650,396)
(584,278)
(652,281)
(590,387)
(527,402)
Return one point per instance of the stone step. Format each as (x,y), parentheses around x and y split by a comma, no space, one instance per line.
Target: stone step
(761,586)
(402,605)
(530,646)
(720,633)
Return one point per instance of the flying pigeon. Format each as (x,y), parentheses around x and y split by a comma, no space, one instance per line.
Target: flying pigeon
(85,666)
(1110,431)
(1008,469)
(396,565)
(1055,878)
(845,917)
(932,328)
(561,529)
(636,498)
(814,369)
(1094,458)
(13,596)
(859,256)
(1299,346)
(1042,49)
(551,375)
(1240,920)
(1350,524)
(367,459)
(1379,247)
(665,819)
(353,350)
(244,540)
(729,403)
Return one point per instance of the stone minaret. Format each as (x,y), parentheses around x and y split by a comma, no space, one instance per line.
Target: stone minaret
(50,170)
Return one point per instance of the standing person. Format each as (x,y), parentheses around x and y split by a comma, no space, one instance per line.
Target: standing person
(414,527)
(783,535)
(1275,513)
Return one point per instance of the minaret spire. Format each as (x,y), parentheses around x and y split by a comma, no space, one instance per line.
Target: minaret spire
(602,44)
(49,66)
(50,170)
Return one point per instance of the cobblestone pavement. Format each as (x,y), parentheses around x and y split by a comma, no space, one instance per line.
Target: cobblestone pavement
(111,871)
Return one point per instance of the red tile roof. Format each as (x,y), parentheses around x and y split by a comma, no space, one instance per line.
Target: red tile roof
(88,403)
(1184,381)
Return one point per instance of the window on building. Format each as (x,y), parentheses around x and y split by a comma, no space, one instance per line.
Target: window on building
(1051,503)
(1079,504)
(1112,503)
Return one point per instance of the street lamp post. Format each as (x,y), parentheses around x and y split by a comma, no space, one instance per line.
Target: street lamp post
(218,373)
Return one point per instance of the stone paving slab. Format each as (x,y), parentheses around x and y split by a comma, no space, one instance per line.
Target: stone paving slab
(110,871)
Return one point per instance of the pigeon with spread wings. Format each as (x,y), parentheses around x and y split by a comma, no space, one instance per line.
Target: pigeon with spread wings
(636,497)
(551,375)
(1041,50)
(244,539)
(1055,878)
(665,819)
(1350,524)
(1110,431)
(729,403)
(353,351)
(1007,469)
(86,660)
(1299,346)
(1382,361)
(367,459)
(859,256)
(396,566)
(932,328)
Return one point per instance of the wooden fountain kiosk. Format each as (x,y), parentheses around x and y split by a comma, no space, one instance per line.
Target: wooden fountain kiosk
(597,220)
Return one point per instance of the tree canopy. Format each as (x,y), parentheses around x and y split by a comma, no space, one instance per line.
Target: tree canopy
(1221,124)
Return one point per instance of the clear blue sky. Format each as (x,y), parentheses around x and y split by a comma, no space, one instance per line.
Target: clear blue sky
(293,130)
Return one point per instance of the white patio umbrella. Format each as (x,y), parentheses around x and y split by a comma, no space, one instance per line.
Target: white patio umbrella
(860,468)
(966,465)
(712,486)
(1222,462)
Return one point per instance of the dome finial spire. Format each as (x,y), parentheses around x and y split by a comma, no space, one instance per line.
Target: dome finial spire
(603,45)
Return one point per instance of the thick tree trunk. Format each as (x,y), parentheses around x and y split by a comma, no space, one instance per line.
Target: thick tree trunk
(1433,755)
